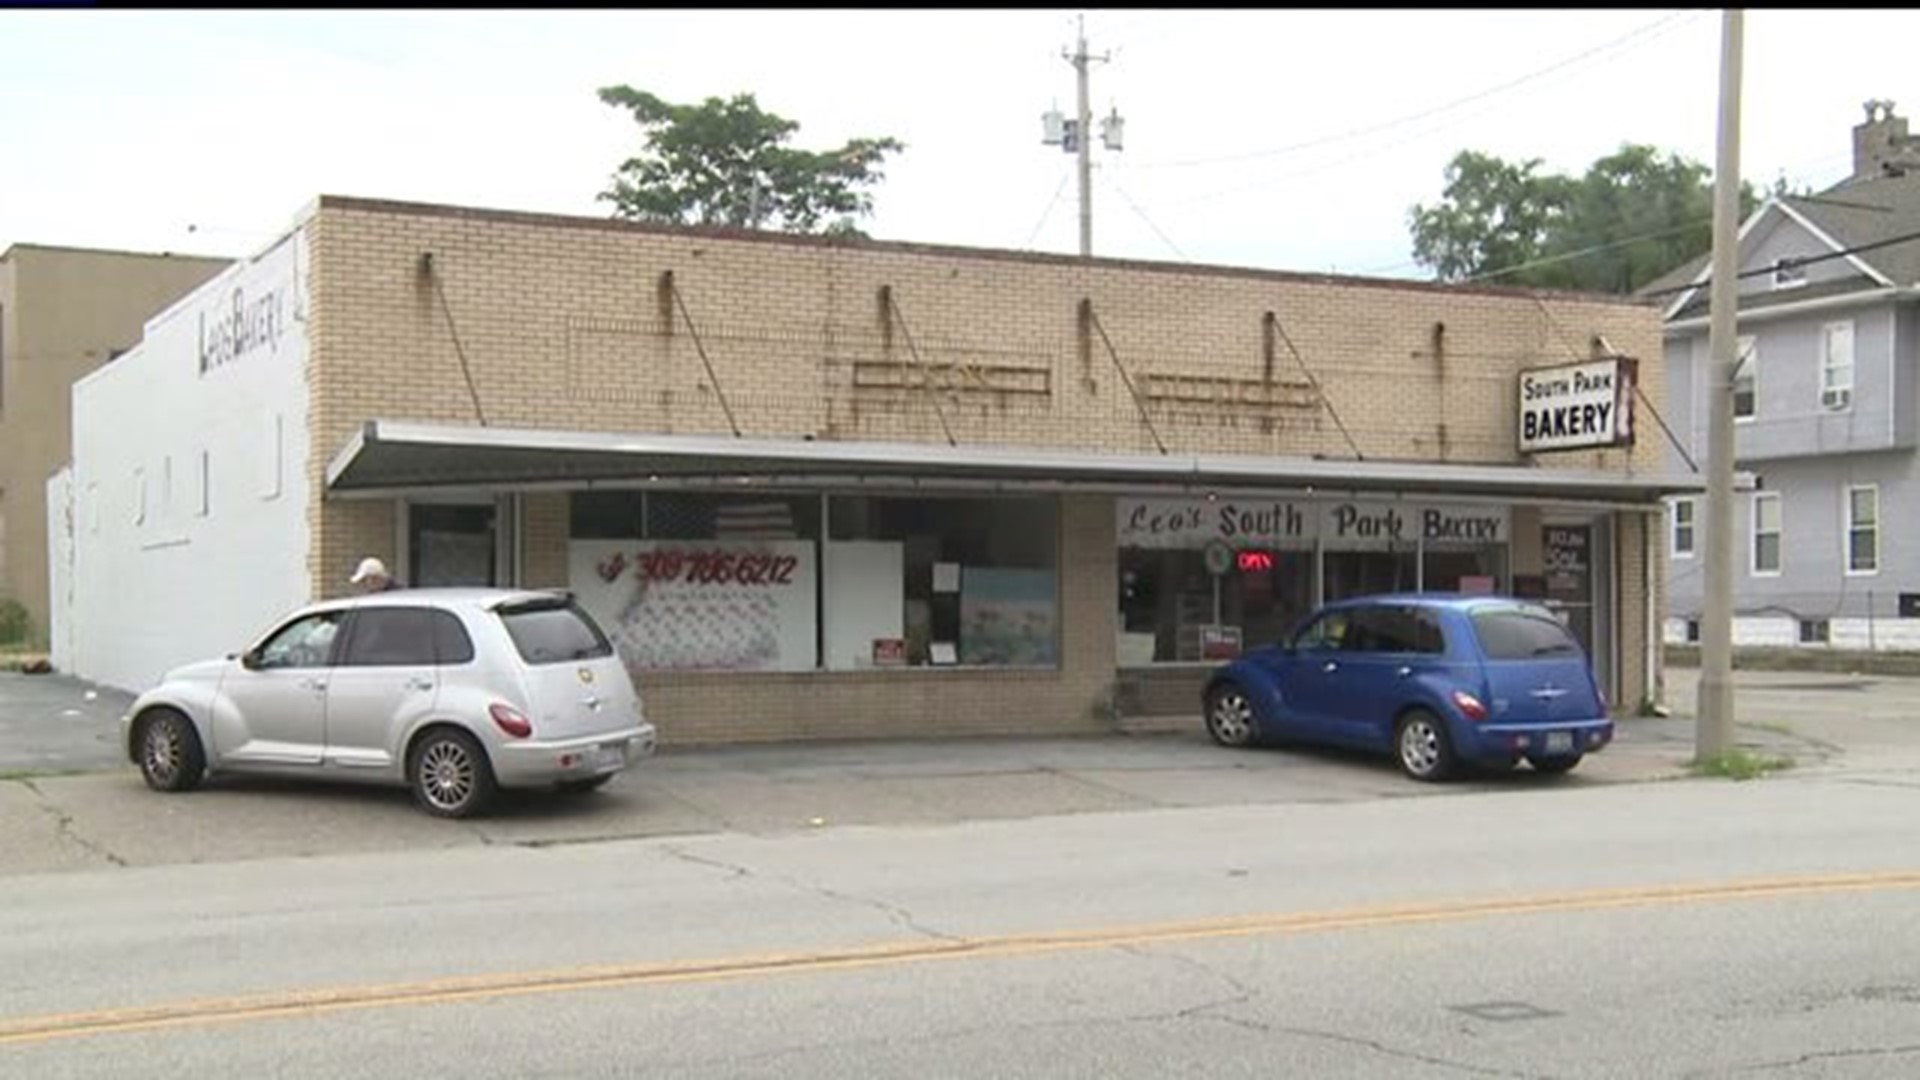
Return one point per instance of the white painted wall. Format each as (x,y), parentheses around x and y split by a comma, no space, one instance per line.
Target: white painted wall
(1882,635)
(60,569)
(190,477)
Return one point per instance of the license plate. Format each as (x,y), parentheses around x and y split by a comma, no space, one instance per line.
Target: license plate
(1559,742)
(610,756)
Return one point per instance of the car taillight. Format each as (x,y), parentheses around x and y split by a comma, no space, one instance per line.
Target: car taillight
(1469,705)
(511,720)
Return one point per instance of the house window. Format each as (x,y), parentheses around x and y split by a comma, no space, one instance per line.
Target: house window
(1815,631)
(1789,273)
(1746,369)
(1683,516)
(1693,631)
(1863,529)
(1836,365)
(1766,532)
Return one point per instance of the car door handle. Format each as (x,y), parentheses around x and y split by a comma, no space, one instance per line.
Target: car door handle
(314,684)
(418,683)
(1404,672)
(1330,667)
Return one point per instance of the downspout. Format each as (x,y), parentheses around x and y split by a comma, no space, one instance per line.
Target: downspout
(1654,691)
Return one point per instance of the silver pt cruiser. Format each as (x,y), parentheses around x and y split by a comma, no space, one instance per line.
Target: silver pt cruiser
(455,693)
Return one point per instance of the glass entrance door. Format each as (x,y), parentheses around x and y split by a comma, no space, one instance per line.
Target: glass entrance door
(452,543)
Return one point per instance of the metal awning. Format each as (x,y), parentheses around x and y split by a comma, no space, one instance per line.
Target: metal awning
(386,458)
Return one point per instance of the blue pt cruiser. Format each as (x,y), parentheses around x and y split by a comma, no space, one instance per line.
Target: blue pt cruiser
(1441,681)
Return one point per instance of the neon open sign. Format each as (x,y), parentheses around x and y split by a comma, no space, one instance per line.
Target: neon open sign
(1255,562)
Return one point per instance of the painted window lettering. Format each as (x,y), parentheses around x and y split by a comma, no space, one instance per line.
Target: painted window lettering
(1277,519)
(1351,521)
(1439,525)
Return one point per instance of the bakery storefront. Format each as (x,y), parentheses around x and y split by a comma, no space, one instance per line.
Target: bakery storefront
(1203,578)
(821,489)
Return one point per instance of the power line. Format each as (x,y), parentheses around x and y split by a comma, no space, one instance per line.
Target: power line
(1807,261)
(1800,170)
(1650,28)
(1115,184)
(1594,250)
(1340,162)
(1044,214)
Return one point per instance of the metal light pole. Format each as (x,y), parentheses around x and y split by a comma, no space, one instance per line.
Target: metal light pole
(1713,731)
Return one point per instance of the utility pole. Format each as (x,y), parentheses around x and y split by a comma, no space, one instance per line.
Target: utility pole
(1713,730)
(1073,136)
(1081,62)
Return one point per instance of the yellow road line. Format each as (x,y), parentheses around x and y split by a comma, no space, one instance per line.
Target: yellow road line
(38,1029)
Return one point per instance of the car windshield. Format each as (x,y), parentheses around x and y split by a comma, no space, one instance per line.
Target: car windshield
(1522,634)
(553,631)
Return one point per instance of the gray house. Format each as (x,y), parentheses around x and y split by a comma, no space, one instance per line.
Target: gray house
(1825,402)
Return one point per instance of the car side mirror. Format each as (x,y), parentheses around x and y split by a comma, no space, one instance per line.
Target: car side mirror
(250,660)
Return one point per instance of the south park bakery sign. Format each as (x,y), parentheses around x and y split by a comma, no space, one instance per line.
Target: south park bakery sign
(1576,406)
(1191,524)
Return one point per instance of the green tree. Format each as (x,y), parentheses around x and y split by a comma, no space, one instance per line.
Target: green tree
(1634,215)
(726,162)
(1494,214)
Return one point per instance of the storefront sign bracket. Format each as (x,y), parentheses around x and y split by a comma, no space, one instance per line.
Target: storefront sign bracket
(1272,322)
(672,291)
(1087,317)
(889,315)
(1604,350)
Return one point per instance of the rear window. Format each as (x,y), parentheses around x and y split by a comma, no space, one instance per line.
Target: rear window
(1522,634)
(553,633)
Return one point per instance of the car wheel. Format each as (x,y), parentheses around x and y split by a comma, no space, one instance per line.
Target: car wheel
(582,787)
(450,775)
(171,757)
(1553,766)
(1230,718)
(1425,753)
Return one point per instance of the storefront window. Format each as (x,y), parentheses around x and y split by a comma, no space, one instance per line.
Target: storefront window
(941,581)
(693,515)
(1471,570)
(1169,599)
(1203,579)
(1365,573)
(701,581)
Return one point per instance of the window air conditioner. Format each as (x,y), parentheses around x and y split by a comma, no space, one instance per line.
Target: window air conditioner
(1836,398)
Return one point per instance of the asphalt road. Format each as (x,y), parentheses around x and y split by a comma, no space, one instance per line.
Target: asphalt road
(1691,928)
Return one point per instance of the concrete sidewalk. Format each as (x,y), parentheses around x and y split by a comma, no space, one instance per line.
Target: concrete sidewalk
(108,818)
(55,818)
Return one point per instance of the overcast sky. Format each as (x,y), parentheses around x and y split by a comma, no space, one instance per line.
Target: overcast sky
(1279,139)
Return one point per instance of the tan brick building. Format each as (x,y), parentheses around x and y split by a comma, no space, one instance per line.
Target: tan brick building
(63,312)
(851,489)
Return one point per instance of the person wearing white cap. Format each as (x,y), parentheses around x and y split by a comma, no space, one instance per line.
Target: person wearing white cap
(372,576)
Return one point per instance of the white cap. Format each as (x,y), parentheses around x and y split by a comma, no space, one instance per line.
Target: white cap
(369,568)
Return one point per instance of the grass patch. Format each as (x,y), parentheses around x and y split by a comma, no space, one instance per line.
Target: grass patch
(1740,764)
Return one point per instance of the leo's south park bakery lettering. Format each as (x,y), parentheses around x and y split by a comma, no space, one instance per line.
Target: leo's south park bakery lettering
(1192,524)
(247,321)
(1577,406)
